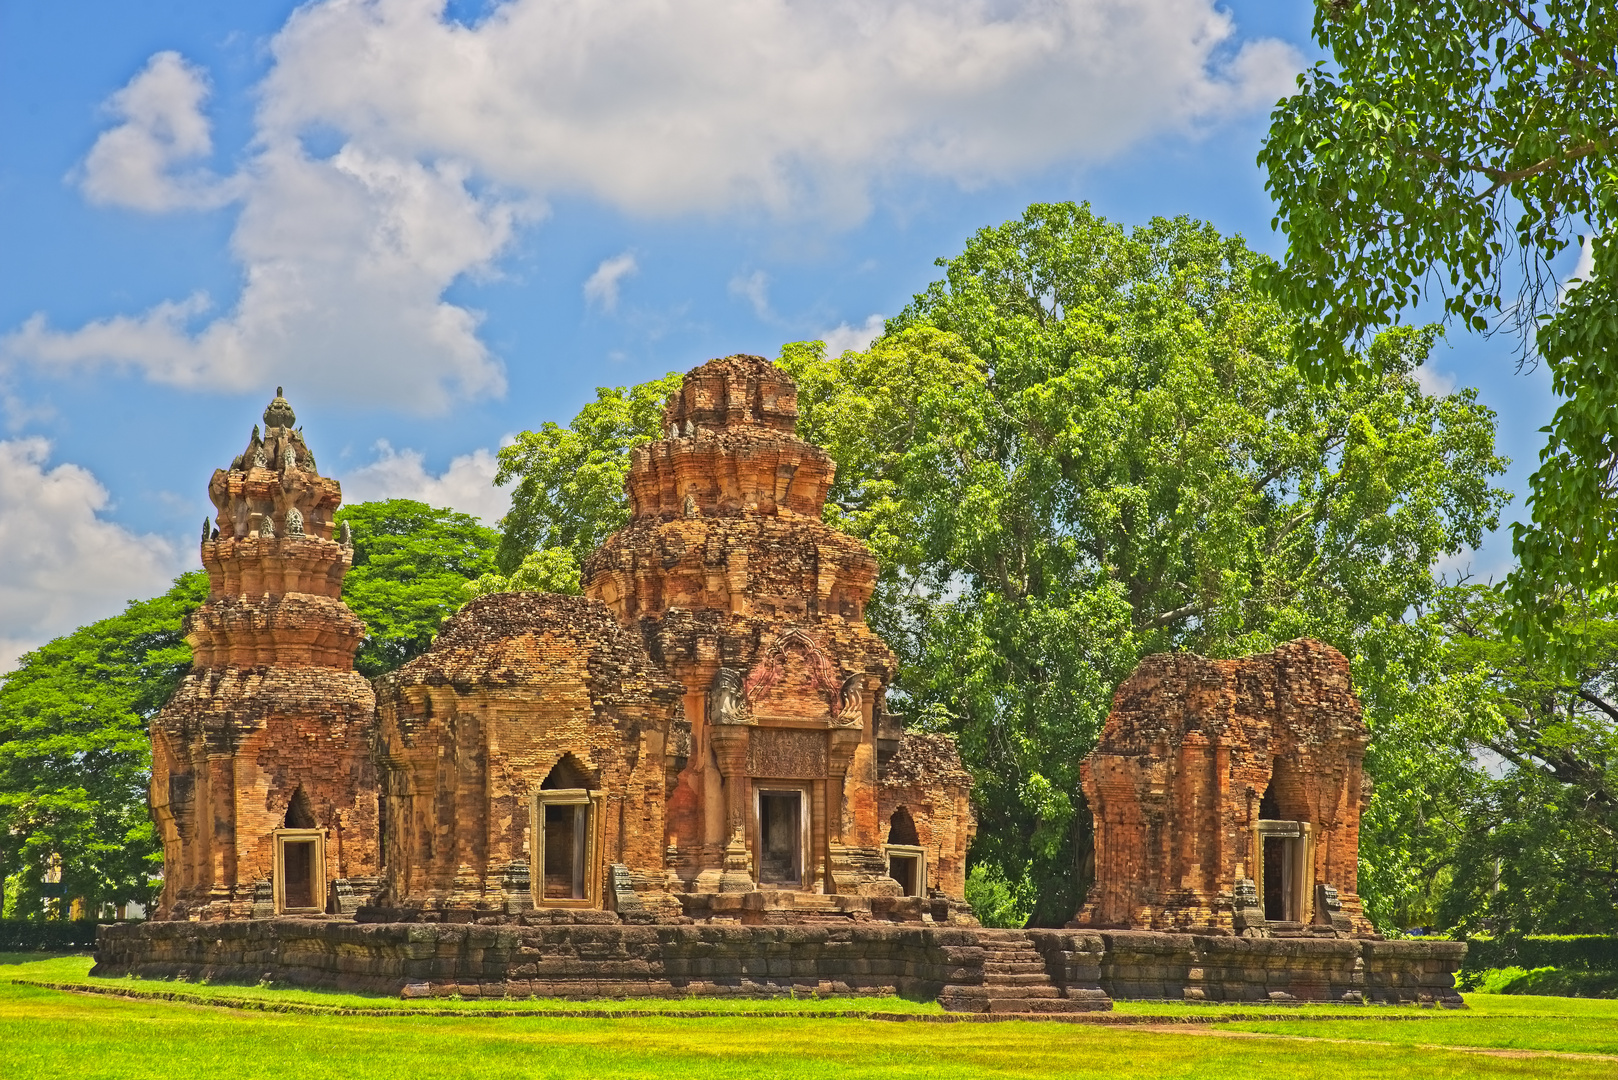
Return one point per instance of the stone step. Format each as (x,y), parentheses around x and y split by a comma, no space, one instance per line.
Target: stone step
(1045,1005)
(1007,967)
(1021,991)
(1029,979)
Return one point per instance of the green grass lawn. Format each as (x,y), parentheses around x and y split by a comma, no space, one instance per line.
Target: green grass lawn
(48,1033)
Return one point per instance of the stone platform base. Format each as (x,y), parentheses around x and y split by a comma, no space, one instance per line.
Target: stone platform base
(967,969)
(1197,967)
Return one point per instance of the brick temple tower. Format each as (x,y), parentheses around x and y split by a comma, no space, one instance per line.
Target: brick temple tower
(263,786)
(757,608)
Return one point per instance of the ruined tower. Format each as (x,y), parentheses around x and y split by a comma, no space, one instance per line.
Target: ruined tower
(1227,796)
(758,609)
(263,787)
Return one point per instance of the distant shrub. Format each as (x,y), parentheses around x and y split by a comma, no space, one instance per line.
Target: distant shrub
(1547,981)
(1568,952)
(64,935)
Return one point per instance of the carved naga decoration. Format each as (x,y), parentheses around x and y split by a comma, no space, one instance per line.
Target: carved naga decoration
(726,702)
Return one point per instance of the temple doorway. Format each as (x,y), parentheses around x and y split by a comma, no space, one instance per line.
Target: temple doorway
(564,848)
(907,859)
(780,837)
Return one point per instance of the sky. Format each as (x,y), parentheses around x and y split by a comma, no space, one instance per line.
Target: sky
(439,224)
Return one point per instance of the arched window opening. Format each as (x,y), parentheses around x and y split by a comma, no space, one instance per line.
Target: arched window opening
(907,860)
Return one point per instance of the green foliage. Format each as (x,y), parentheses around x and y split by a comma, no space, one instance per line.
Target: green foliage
(569,493)
(1084,445)
(996,901)
(411,567)
(552,570)
(74,755)
(1448,153)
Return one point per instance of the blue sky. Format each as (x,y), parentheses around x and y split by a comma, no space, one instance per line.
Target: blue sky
(438,226)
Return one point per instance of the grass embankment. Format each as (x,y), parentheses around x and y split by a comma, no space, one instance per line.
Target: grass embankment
(49,1033)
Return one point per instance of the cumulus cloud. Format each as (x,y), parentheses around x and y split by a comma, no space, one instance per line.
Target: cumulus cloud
(664,108)
(451,136)
(601,287)
(161,127)
(65,564)
(844,338)
(467,485)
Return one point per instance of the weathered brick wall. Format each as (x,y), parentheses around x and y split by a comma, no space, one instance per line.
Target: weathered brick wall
(584,954)
(1187,754)
(925,777)
(469,731)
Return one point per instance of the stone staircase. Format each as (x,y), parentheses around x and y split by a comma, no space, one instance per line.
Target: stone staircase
(1015,979)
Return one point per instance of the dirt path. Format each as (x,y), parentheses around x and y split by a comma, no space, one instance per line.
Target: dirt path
(1489,1051)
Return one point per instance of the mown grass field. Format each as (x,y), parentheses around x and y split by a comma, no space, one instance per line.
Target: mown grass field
(49,1033)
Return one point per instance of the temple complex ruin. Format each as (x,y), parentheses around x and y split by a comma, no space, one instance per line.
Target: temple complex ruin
(687,782)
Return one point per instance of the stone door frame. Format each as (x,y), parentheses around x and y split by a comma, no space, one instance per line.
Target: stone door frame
(317,870)
(593,802)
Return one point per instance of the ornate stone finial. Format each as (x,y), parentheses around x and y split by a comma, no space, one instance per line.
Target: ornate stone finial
(347,536)
(294,520)
(690,429)
(690,505)
(259,460)
(279,414)
(207,527)
(266,528)
(726,702)
(289,457)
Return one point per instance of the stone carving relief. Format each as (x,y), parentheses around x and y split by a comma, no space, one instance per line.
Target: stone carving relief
(726,702)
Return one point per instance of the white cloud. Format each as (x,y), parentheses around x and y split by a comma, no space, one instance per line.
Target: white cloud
(64,564)
(467,485)
(452,136)
(706,105)
(845,338)
(601,287)
(755,289)
(347,261)
(162,127)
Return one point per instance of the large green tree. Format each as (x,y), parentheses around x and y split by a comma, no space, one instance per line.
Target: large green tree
(412,563)
(569,491)
(1534,833)
(1444,156)
(74,756)
(1083,445)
